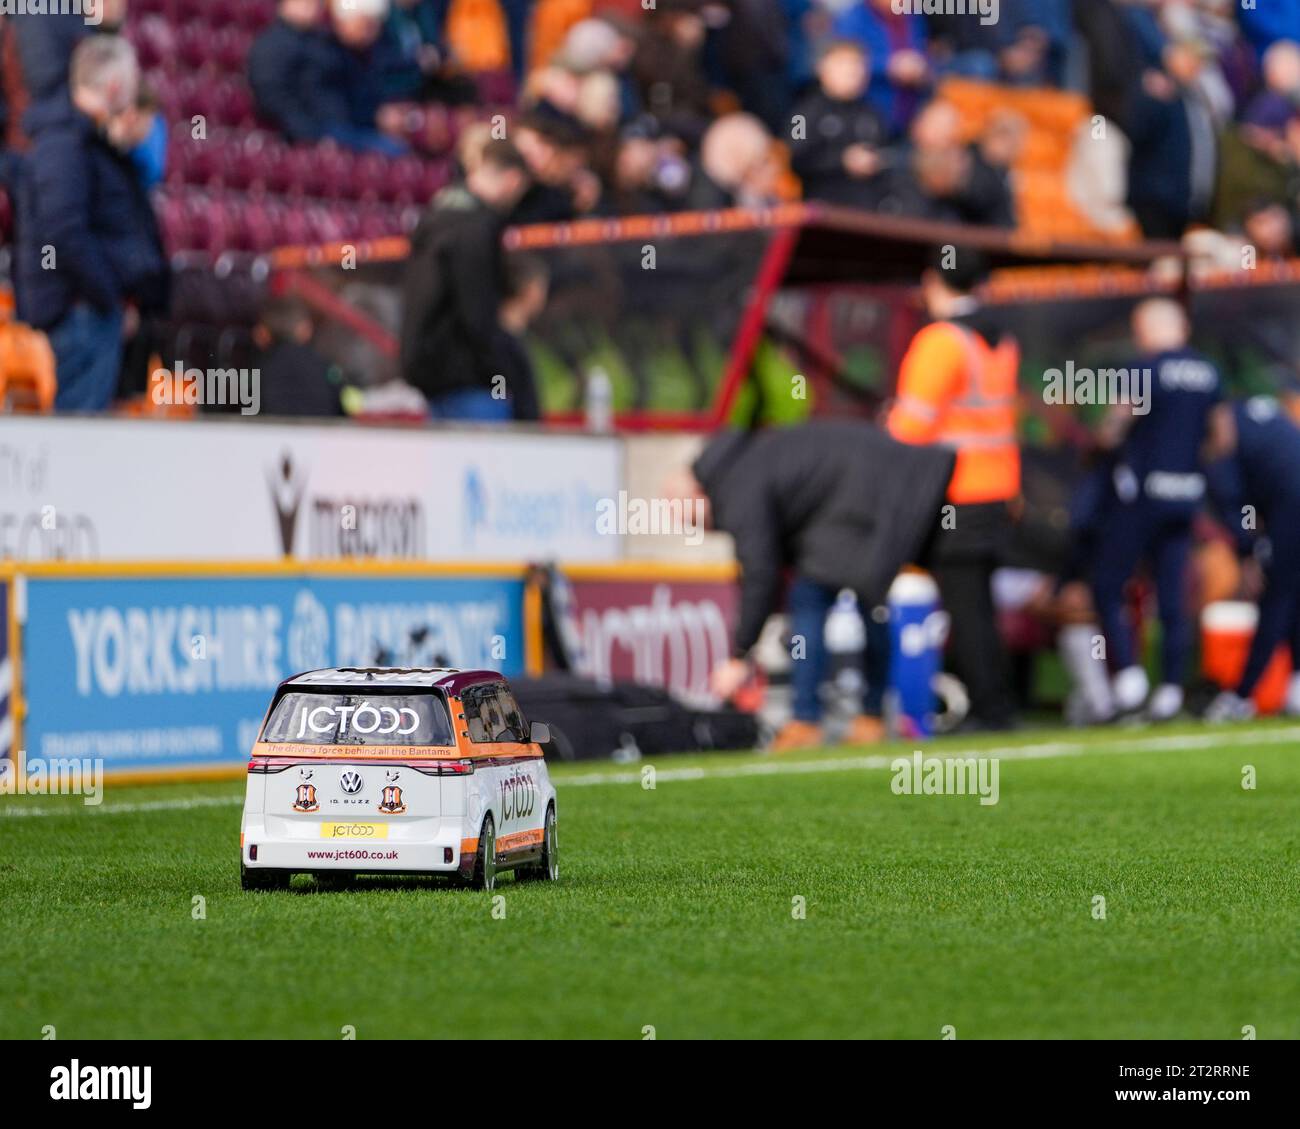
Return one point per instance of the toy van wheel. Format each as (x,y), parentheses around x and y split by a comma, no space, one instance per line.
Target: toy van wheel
(263,879)
(547,868)
(485,862)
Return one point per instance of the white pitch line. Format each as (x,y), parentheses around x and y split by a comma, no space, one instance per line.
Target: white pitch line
(127,809)
(1047,751)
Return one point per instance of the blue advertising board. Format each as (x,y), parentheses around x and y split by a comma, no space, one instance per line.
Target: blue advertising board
(161,674)
(6,680)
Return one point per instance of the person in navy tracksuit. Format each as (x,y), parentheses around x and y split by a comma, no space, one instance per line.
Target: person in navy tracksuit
(1254,478)
(1157,486)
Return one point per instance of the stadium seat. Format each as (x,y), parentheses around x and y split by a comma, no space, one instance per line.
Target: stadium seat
(235,101)
(327,226)
(194,43)
(252,15)
(155,42)
(27,373)
(230,46)
(1044,207)
(496,88)
(476,31)
(337,173)
(6,217)
(289,225)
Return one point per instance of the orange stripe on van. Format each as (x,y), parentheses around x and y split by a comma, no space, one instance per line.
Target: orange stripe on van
(512,842)
(519,839)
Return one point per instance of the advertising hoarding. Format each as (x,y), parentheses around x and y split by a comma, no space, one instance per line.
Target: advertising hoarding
(164,673)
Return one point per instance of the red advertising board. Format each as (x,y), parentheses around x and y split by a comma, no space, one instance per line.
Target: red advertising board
(654,631)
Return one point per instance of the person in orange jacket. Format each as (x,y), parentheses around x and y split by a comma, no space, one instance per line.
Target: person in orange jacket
(957,388)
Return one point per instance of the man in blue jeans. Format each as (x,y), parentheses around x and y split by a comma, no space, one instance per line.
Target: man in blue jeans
(87,240)
(808,604)
(87,347)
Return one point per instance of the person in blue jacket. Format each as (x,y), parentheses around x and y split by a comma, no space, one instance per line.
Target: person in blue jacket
(1264,24)
(87,241)
(1253,456)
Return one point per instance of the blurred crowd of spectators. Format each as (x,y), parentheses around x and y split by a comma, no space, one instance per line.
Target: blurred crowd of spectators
(679,106)
(343,71)
(683,104)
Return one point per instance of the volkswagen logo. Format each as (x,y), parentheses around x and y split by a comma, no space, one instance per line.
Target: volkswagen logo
(351,783)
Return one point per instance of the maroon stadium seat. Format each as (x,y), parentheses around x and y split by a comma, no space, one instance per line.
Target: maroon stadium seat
(230,47)
(326,225)
(194,46)
(155,42)
(251,14)
(248,158)
(235,102)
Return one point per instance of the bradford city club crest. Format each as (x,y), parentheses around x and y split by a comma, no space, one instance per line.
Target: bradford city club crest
(392,804)
(306,800)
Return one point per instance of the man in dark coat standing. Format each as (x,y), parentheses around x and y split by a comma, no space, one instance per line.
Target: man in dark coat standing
(838,153)
(840,505)
(87,241)
(45,42)
(289,68)
(455,283)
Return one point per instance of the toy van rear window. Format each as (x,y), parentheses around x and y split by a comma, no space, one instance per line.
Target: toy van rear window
(359,719)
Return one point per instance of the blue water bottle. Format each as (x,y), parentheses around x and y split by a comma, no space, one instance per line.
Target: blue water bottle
(918,633)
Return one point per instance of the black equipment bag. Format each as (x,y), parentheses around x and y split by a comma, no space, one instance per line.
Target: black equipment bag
(589,721)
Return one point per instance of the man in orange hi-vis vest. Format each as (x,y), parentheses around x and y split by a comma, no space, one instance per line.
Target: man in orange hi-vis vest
(957,388)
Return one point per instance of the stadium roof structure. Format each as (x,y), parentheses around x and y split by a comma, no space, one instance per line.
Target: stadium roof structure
(831,243)
(814,243)
(802,244)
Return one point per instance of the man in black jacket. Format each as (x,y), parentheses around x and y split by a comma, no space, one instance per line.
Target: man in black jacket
(839,151)
(841,505)
(454,287)
(289,66)
(312,84)
(87,240)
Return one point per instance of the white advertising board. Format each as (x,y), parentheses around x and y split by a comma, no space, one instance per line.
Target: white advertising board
(120,489)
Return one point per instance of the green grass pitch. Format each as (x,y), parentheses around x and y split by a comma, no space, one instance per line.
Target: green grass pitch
(676,908)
